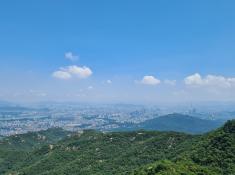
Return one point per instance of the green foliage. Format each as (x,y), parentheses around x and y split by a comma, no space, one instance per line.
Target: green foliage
(32,140)
(14,149)
(217,149)
(103,153)
(166,167)
(136,153)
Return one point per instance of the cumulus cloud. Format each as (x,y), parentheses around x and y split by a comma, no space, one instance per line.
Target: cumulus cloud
(72,71)
(150,80)
(61,75)
(81,72)
(197,80)
(70,56)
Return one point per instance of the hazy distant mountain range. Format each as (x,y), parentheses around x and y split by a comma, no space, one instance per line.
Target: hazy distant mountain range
(176,122)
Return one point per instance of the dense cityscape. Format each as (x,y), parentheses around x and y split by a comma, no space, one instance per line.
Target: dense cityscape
(16,119)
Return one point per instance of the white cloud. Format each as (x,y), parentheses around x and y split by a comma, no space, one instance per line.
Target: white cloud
(150,80)
(73,71)
(70,56)
(81,72)
(170,82)
(61,75)
(215,81)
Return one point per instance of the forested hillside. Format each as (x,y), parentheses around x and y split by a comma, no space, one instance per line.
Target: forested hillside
(212,153)
(136,153)
(15,149)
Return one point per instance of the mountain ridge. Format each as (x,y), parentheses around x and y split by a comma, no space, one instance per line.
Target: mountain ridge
(176,122)
(136,152)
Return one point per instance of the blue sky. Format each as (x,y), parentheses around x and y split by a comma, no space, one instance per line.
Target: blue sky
(136,51)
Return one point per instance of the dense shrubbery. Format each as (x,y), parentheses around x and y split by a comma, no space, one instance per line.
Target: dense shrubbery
(217,149)
(171,168)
